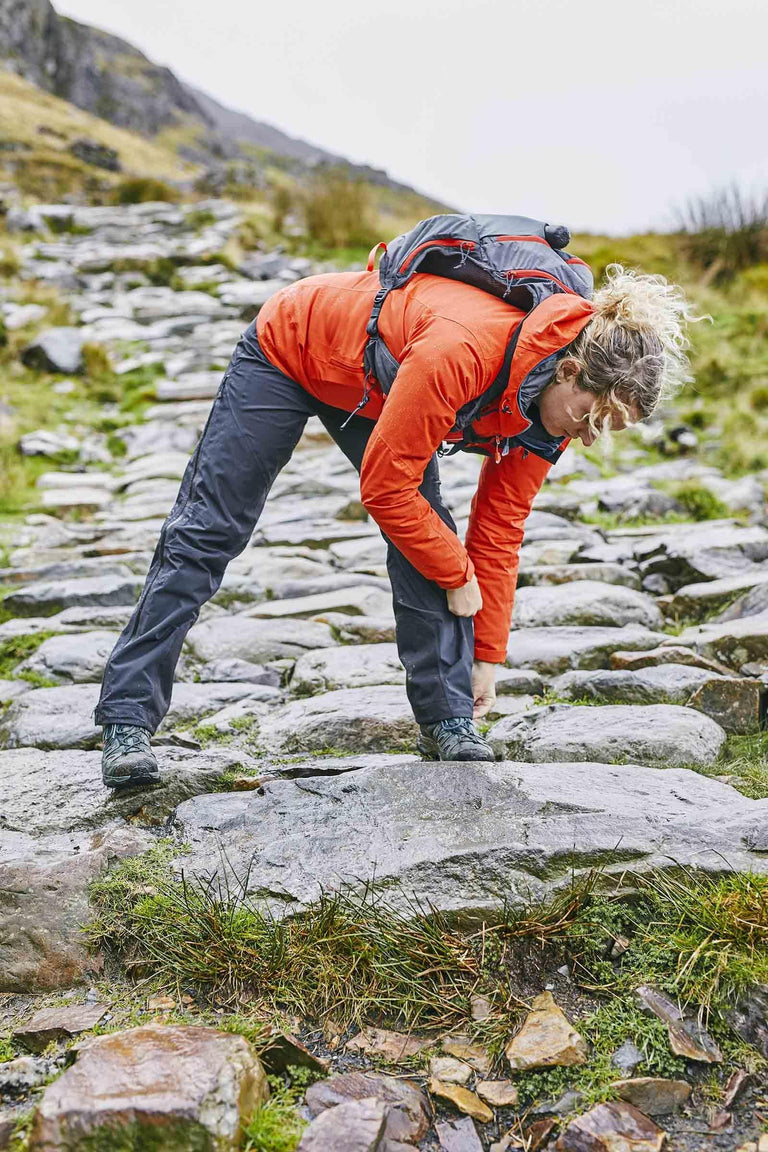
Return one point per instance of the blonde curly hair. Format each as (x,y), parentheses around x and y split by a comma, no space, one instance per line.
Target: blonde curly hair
(632,354)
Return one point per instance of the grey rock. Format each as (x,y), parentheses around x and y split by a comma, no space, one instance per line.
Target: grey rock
(92,591)
(584,602)
(63,717)
(58,1023)
(466,838)
(230,669)
(749,1016)
(627,1057)
(409,1112)
(553,650)
(357,601)
(55,350)
(356,1126)
(257,640)
(518,682)
(44,906)
(358,719)
(46,792)
(46,443)
(734,643)
(547,574)
(194,1085)
(357,666)
(697,601)
(705,552)
(67,659)
(20,1076)
(667,653)
(665,684)
(360,629)
(752,603)
(735,703)
(20,315)
(661,734)
(459,1136)
(11,689)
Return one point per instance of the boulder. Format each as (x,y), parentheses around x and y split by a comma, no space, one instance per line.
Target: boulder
(702,552)
(354,719)
(55,350)
(48,792)
(553,574)
(660,734)
(359,666)
(734,643)
(163,1086)
(665,684)
(584,602)
(63,717)
(697,601)
(466,838)
(256,640)
(46,597)
(44,903)
(736,703)
(553,650)
(71,659)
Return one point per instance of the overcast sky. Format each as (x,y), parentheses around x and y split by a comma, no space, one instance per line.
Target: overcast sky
(603,114)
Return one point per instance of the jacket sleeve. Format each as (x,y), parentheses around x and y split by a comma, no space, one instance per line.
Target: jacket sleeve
(505,492)
(440,371)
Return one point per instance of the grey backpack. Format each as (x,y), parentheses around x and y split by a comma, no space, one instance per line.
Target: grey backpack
(514,257)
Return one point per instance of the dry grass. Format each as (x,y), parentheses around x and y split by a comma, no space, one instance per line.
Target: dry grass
(25,108)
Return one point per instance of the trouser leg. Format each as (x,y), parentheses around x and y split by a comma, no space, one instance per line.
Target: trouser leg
(255,423)
(435,647)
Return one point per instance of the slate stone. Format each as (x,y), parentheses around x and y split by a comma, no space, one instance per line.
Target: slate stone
(665,684)
(78,659)
(93,591)
(706,552)
(347,667)
(584,602)
(653,1095)
(697,601)
(358,719)
(194,1085)
(408,1117)
(611,1126)
(665,654)
(734,643)
(63,717)
(46,792)
(357,601)
(44,907)
(467,837)
(55,350)
(256,640)
(749,1017)
(50,1024)
(554,574)
(663,734)
(553,650)
(356,1126)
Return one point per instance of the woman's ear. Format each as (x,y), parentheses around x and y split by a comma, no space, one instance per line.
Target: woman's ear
(569,370)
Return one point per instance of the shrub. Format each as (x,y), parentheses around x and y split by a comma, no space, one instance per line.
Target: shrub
(338,210)
(142,189)
(699,502)
(725,231)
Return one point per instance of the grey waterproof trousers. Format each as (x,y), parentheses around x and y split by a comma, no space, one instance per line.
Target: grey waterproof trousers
(254,425)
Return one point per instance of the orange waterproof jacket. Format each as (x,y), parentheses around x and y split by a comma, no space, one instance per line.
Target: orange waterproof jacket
(450,339)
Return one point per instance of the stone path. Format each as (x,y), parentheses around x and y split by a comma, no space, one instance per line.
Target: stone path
(291,680)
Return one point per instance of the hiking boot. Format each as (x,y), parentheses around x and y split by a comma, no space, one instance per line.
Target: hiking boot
(455,739)
(127,760)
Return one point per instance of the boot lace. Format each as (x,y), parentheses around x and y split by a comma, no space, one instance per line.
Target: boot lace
(128,737)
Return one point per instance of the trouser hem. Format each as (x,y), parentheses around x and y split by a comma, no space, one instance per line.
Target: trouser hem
(434,715)
(133,715)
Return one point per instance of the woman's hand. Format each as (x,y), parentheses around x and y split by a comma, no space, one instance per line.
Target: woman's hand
(467,600)
(483,687)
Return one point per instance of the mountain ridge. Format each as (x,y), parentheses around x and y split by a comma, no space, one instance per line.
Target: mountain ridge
(109,77)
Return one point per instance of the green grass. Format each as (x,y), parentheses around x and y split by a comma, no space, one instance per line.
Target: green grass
(277,1125)
(13,651)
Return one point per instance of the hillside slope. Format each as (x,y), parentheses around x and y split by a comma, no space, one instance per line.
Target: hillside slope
(110,78)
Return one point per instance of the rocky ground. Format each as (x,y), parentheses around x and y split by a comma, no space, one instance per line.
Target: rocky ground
(626,726)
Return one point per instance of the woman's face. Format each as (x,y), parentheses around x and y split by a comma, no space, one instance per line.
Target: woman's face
(565,407)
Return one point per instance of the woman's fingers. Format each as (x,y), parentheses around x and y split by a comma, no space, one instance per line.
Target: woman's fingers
(467,600)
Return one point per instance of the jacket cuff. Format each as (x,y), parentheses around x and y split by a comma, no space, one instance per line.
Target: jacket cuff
(469,572)
(490,655)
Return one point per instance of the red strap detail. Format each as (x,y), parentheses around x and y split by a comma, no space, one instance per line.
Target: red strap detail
(372,255)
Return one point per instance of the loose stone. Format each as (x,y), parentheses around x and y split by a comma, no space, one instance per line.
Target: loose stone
(652,1095)
(356,1126)
(547,1039)
(612,1126)
(462,1098)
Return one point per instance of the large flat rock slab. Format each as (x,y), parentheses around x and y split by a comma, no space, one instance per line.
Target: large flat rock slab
(734,643)
(584,602)
(467,837)
(347,666)
(665,684)
(46,792)
(63,717)
(663,734)
(354,719)
(551,650)
(257,640)
(49,596)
